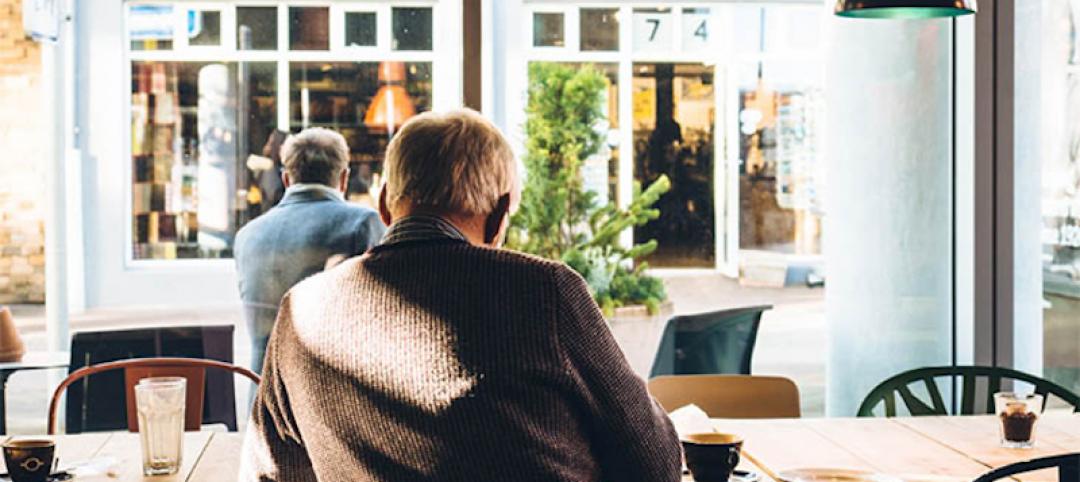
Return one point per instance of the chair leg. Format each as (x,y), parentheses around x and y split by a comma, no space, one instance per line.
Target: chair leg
(1070,472)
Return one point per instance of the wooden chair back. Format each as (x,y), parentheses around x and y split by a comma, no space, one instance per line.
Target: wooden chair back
(975,383)
(729,396)
(193,369)
(1068,468)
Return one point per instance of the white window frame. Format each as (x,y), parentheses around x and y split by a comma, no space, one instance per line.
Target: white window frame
(726,160)
(444,57)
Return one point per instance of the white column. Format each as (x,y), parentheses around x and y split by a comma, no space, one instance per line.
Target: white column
(888,228)
(54,77)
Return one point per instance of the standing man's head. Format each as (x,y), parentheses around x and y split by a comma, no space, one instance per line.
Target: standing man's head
(455,165)
(316,156)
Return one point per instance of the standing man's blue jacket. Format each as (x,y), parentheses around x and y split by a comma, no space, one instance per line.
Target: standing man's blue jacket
(291,242)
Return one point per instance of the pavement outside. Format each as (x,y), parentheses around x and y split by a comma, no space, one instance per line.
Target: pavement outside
(791,341)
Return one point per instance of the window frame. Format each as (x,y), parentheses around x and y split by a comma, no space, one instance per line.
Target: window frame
(725,60)
(442,57)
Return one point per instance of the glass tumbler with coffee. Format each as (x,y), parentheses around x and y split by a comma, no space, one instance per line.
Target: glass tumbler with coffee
(160,402)
(29,460)
(1018,414)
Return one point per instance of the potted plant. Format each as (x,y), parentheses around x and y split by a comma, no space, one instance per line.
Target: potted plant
(559,219)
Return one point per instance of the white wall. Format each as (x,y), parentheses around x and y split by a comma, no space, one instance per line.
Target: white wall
(888,233)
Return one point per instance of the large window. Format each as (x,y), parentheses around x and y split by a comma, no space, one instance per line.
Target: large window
(1047,190)
(215,87)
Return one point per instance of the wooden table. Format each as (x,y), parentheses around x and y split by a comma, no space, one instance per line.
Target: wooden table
(927,449)
(208,456)
(924,449)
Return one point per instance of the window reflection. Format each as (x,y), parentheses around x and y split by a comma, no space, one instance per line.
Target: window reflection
(366,101)
(674,135)
(548,30)
(191,140)
(204,27)
(599,29)
(360,29)
(412,28)
(256,28)
(309,28)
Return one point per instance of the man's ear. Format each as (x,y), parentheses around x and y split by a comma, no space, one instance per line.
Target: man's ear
(495,224)
(343,183)
(384,211)
(285,181)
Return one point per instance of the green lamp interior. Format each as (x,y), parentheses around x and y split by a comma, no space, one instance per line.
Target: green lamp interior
(904,12)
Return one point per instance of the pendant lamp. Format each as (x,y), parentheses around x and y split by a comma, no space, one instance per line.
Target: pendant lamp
(391,106)
(904,9)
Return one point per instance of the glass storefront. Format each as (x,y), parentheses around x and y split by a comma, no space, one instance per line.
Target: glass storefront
(214,90)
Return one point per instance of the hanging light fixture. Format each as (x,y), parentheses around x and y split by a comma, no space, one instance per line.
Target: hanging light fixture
(904,9)
(391,106)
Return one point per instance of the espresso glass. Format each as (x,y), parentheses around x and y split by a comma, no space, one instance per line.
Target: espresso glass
(712,457)
(1018,415)
(160,402)
(29,460)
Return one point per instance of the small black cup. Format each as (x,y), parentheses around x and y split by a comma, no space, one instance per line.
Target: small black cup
(29,460)
(712,457)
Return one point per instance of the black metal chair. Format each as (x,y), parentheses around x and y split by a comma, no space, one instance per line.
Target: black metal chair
(1068,468)
(900,387)
(99,404)
(715,343)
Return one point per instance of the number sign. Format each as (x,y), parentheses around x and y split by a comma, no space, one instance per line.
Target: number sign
(697,31)
(653,30)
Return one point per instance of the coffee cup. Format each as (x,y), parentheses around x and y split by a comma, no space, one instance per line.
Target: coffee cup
(29,460)
(712,457)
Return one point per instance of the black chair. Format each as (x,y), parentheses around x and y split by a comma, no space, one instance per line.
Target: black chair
(715,343)
(98,404)
(1068,468)
(900,387)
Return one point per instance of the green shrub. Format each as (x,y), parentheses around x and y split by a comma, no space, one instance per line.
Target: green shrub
(558,218)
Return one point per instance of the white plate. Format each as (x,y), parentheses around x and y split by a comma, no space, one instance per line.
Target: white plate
(833,475)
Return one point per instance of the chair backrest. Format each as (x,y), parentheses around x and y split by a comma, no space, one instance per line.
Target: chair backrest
(193,369)
(93,406)
(729,396)
(975,383)
(1068,468)
(714,343)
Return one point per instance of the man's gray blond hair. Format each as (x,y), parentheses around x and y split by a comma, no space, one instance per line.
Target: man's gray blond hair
(315,155)
(456,162)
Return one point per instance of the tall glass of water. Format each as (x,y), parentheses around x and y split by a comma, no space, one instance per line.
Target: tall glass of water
(160,402)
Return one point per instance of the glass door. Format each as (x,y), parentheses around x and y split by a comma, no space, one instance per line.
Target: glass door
(674,132)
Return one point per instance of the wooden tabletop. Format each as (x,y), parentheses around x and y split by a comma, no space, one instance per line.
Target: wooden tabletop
(925,449)
(207,457)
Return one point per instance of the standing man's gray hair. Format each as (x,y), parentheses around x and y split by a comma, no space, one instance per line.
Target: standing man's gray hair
(315,155)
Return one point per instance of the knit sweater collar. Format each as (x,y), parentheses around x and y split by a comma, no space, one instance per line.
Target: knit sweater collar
(421,228)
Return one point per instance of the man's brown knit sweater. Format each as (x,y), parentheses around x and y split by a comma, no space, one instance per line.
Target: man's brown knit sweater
(440,361)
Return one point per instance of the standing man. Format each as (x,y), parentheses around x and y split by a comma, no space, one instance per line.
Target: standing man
(309,227)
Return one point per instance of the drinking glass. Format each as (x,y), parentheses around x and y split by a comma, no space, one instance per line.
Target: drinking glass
(160,402)
(1018,414)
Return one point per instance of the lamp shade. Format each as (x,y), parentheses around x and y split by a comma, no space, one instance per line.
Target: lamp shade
(391,106)
(904,9)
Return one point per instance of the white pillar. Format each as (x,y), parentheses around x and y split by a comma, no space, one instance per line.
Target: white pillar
(54,75)
(888,229)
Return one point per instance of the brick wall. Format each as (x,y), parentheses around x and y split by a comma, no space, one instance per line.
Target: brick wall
(22,163)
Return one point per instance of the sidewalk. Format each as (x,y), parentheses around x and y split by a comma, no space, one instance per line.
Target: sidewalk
(791,341)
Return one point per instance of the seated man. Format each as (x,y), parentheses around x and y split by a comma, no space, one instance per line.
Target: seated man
(439,357)
(311,226)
